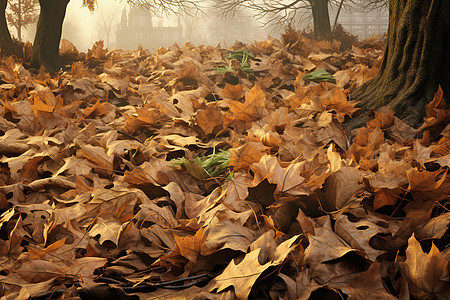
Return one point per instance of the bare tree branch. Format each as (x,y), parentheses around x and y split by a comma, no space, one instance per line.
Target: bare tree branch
(160,7)
(274,12)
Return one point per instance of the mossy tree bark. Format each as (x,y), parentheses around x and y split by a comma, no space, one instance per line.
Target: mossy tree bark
(6,43)
(48,34)
(416,60)
(321,18)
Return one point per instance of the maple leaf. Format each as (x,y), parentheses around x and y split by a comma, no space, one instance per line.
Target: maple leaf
(254,107)
(244,274)
(426,182)
(210,119)
(108,230)
(288,180)
(302,286)
(427,274)
(324,246)
(389,181)
(119,203)
(367,143)
(233,92)
(434,228)
(237,191)
(359,288)
(16,236)
(382,118)
(190,246)
(244,156)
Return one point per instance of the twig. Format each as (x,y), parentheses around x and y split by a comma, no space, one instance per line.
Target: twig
(337,15)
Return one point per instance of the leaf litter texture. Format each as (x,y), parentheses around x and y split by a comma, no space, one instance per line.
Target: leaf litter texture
(92,201)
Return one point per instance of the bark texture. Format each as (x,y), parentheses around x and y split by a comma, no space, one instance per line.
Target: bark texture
(48,34)
(6,43)
(321,17)
(416,60)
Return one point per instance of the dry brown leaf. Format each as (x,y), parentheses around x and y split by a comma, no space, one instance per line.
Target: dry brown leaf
(210,119)
(150,212)
(99,110)
(427,274)
(190,246)
(119,203)
(244,156)
(425,181)
(358,234)
(145,118)
(366,285)
(40,270)
(233,92)
(83,269)
(288,180)
(226,234)
(340,187)
(237,192)
(434,228)
(254,107)
(242,275)
(428,185)
(108,230)
(386,196)
(324,246)
(97,155)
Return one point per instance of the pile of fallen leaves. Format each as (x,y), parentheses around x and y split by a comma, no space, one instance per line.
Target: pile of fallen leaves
(210,173)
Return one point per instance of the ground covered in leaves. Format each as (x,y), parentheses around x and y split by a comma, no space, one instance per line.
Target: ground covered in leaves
(211,173)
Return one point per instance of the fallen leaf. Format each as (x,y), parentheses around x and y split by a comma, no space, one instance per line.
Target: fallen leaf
(425,273)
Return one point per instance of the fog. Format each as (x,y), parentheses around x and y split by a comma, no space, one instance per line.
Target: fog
(83,27)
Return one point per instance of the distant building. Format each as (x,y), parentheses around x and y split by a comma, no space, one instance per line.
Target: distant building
(239,28)
(363,23)
(137,28)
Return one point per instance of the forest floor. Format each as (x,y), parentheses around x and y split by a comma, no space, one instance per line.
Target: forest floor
(211,173)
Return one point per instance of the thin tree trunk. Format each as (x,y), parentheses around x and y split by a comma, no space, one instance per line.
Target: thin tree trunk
(337,15)
(416,60)
(6,43)
(48,34)
(321,18)
(19,22)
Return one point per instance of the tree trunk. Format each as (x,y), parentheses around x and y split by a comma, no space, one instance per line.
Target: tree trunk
(321,17)
(6,43)
(416,60)
(19,22)
(48,34)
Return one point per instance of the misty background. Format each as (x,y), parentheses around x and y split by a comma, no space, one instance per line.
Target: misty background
(125,27)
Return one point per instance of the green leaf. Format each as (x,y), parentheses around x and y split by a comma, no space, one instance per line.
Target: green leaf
(201,168)
(223,69)
(319,76)
(242,56)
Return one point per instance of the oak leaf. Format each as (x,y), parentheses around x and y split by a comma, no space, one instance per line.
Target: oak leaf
(40,270)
